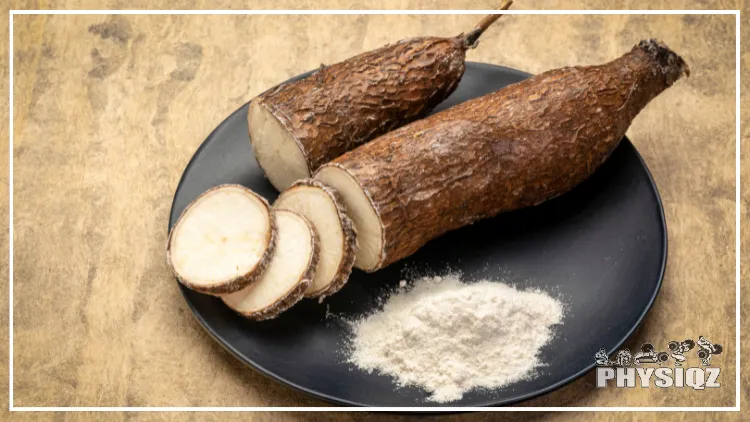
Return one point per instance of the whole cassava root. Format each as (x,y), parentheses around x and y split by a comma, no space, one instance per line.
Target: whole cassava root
(513,148)
(301,125)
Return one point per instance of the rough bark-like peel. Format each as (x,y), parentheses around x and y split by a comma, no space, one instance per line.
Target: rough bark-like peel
(341,106)
(516,147)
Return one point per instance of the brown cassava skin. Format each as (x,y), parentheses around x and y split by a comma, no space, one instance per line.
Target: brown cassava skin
(298,292)
(241,281)
(513,148)
(342,106)
(350,245)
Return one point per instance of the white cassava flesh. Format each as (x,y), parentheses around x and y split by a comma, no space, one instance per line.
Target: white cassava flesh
(363,215)
(278,154)
(223,240)
(322,206)
(289,274)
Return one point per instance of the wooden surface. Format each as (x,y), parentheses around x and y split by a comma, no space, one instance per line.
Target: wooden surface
(108,111)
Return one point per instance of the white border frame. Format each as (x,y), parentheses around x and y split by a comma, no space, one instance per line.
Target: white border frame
(12,13)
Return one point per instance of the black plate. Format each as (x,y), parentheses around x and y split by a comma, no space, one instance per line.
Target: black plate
(602,247)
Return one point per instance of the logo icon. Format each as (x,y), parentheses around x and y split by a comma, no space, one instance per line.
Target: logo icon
(625,367)
(679,349)
(707,349)
(648,354)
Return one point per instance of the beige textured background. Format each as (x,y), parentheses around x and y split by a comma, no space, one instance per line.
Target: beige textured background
(108,110)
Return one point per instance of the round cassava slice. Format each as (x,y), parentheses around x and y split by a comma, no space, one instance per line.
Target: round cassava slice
(323,207)
(223,240)
(288,275)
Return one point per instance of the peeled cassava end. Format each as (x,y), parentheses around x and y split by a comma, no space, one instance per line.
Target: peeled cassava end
(324,208)
(277,152)
(289,273)
(223,240)
(359,206)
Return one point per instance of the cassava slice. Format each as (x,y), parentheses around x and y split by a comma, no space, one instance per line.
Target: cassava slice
(513,148)
(323,207)
(223,240)
(298,126)
(288,275)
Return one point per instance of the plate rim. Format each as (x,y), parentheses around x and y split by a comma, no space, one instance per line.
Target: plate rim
(348,403)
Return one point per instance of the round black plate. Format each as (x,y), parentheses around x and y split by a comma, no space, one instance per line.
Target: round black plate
(602,247)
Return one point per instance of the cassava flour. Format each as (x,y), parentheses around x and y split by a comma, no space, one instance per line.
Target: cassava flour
(449,337)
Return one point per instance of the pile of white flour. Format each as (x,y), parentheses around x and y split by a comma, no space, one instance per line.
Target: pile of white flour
(448,337)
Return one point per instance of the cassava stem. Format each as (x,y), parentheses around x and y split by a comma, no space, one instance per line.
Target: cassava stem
(471,38)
